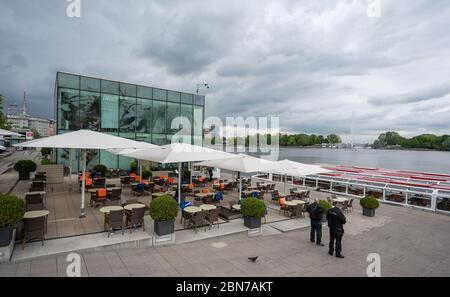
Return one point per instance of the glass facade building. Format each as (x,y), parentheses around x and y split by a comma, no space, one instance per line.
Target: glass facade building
(127,110)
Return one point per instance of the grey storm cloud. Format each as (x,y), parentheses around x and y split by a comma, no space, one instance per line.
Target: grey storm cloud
(311,63)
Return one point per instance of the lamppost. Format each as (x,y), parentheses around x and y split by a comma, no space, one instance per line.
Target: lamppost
(205,84)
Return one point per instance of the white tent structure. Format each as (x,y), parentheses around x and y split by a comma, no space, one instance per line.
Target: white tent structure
(178,153)
(85,140)
(297,169)
(244,163)
(8,133)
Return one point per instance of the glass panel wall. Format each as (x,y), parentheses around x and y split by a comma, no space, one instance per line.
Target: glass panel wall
(127,114)
(68,81)
(144,92)
(90,84)
(90,110)
(127,90)
(187,113)
(173,117)
(159,94)
(110,113)
(110,87)
(68,109)
(159,117)
(144,116)
(173,96)
(187,98)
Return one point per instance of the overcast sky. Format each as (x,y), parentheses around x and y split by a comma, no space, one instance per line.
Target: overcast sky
(311,63)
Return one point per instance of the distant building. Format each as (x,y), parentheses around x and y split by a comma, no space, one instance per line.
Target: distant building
(23,123)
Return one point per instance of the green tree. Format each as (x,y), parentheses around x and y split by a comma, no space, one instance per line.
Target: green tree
(3,122)
(36,134)
(333,138)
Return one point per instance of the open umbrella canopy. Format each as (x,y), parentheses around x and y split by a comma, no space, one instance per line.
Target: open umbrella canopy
(85,139)
(176,153)
(291,168)
(244,163)
(8,133)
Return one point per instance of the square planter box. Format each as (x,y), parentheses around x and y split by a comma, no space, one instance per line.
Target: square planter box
(164,227)
(252,223)
(368,212)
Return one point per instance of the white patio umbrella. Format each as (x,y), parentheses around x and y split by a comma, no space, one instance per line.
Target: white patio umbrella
(85,140)
(8,133)
(178,153)
(244,163)
(292,168)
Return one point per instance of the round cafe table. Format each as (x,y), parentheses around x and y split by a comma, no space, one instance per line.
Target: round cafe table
(192,209)
(290,203)
(207,207)
(133,205)
(107,209)
(35,214)
(298,201)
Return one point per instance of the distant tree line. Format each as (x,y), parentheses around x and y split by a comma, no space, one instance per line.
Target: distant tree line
(284,139)
(423,141)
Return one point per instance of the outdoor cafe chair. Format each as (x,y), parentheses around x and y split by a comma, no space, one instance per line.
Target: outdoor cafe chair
(350,205)
(34,228)
(125,181)
(198,220)
(34,202)
(114,220)
(115,195)
(98,197)
(212,216)
(134,218)
(296,211)
(37,186)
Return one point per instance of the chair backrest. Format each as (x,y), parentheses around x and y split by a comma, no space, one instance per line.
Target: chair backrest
(34,206)
(213,214)
(282,201)
(116,194)
(292,191)
(88,181)
(307,193)
(34,224)
(33,198)
(132,201)
(115,216)
(329,200)
(200,217)
(350,203)
(205,191)
(137,214)
(101,193)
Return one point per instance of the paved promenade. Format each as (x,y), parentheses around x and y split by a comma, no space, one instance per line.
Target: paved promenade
(410,243)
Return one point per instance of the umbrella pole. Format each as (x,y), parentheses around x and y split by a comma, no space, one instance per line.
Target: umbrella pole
(140,171)
(240,185)
(70,169)
(285,181)
(179,183)
(190,170)
(82,212)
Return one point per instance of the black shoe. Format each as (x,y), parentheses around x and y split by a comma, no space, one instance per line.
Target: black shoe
(330,253)
(312,241)
(320,244)
(340,256)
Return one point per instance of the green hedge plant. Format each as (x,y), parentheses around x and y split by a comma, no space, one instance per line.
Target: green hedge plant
(369,202)
(164,208)
(25,166)
(253,207)
(325,205)
(100,168)
(146,174)
(12,210)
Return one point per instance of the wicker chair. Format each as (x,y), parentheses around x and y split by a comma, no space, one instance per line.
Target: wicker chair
(297,211)
(34,202)
(34,228)
(114,220)
(350,205)
(98,197)
(134,218)
(212,216)
(115,195)
(198,220)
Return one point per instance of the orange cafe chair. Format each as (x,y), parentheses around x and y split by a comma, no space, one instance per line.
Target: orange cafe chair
(222,186)
(145,181)
(205,191)
(137,178)
(282,201)
(101,194)
(132,174)
(190,186)
(88,182)
(170,180)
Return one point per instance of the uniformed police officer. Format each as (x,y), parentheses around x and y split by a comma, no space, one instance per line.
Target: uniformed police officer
(336,220)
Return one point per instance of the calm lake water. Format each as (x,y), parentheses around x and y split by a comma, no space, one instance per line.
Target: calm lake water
(429,161)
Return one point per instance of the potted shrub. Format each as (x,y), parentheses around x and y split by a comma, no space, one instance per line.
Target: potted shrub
(326,207)
(252,210)
(163,211)
(11,213)
(47,162)
(146,174)
(101,169)
(46,151)
(24,167)
(369,204)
